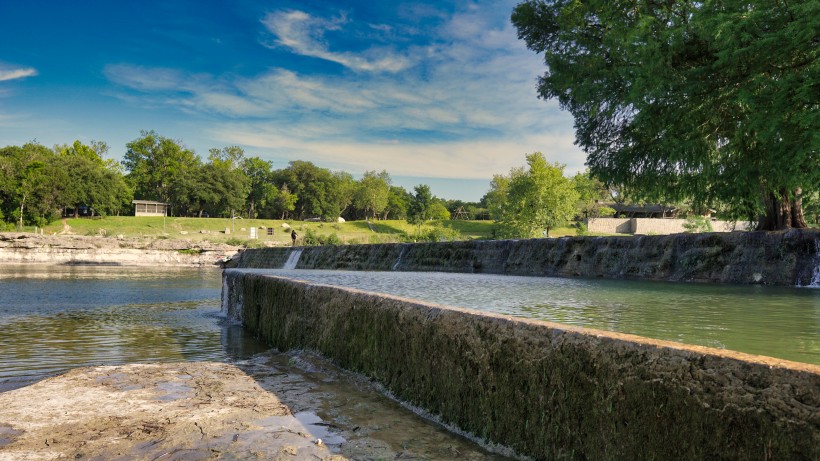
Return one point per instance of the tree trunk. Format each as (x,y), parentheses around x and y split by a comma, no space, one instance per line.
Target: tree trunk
(783,211)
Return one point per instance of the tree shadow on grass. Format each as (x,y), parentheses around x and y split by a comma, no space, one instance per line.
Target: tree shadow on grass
(377,227)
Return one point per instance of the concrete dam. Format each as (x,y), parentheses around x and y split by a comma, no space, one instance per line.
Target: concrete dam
(548,390)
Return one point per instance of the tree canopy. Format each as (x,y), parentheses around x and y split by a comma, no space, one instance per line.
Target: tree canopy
(714,102)
(534,200)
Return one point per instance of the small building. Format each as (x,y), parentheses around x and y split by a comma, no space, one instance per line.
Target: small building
(149,208)
(623,210)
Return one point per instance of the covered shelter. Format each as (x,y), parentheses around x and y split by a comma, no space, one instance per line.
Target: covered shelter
(149,208)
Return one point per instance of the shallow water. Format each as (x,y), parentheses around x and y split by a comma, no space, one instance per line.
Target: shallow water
(782,322)
(55,318)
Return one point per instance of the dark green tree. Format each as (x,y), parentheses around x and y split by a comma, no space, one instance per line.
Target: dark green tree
(155,163)
(419,211)
(261,189)
(30,183)
(90,180)
(713,101)
(398,201)
(320,193)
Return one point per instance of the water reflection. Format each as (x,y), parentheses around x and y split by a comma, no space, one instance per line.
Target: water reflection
(56,318)
(781,322)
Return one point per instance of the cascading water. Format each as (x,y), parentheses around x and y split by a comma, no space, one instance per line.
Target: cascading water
(815,276)
(232,295)
(401,255)
(293,259)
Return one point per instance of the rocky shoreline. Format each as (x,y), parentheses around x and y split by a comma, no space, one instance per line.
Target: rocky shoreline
(76,249)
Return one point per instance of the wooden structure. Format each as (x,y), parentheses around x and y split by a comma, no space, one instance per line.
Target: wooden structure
(149,208)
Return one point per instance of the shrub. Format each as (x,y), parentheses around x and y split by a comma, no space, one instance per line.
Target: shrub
(695,224)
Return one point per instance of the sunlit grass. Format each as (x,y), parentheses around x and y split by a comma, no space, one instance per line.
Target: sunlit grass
(238,230)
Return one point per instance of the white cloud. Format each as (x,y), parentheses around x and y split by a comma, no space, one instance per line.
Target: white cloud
(305,35)
(471,159)
(467,108)
(145,78)
(15,73)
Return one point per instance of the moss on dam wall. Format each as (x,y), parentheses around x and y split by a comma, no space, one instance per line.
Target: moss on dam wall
(546,390)
(771,258)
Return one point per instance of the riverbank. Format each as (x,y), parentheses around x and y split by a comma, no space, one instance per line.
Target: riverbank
(274,406)
(76,249)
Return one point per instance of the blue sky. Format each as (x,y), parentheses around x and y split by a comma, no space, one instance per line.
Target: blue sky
(438,92)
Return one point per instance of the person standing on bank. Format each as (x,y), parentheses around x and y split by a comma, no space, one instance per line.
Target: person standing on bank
(293,236)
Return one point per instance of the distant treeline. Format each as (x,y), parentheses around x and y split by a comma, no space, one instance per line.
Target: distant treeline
(39,184)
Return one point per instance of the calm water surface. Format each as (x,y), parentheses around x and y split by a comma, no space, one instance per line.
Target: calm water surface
(54,318)
(780,322)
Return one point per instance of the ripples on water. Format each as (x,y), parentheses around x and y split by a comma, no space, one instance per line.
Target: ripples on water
(53,318)
(781,322)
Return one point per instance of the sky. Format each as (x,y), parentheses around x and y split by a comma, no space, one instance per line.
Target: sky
(434,92)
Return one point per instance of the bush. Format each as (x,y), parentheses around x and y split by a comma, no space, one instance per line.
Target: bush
(314,238)
(435,233)
(696,224)
(581,228)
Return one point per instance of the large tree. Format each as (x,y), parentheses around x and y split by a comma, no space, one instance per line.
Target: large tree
(371,193)
(155,163)
(712,101)
(30,183)
(91,180)
(420,210)
(539,199)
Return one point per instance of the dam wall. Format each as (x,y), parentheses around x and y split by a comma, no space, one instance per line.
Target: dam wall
(770,258)
(546,390)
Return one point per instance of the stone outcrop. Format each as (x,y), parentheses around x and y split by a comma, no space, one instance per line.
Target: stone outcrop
(32,248)
(546,390)
(770,258)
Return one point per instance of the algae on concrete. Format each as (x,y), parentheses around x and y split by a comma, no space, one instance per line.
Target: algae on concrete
(546,390)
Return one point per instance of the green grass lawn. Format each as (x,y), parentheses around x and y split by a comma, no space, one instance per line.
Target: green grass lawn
(238,231)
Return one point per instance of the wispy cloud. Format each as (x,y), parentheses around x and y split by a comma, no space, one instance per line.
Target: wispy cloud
(304,34)
(463,106)
(15,73)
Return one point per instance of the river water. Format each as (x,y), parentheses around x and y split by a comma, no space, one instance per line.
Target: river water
(55,318)
(781,322)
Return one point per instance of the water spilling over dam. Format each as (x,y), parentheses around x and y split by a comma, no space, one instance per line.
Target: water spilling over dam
(551,390)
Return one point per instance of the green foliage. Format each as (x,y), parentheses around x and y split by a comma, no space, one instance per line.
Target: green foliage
(539,199)
(709,101)
(496,199)
(581,228)
(418,212)
(439,211)
(697,224)
(319,193)
(435,233)
(398,202)
(157,166)
(312,237)
(372,194)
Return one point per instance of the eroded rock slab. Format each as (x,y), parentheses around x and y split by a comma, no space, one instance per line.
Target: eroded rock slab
(152,411)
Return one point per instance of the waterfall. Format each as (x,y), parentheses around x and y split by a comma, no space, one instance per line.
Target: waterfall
(815,276)
(232,294)
(401,255)
(293,259)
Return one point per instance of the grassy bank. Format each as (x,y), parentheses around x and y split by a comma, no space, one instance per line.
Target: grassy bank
(238,232)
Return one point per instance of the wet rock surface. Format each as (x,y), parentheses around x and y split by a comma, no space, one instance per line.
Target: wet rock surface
(273,407)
